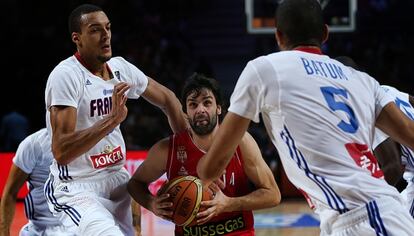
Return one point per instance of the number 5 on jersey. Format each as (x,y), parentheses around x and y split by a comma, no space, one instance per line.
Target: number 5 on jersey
(329,95)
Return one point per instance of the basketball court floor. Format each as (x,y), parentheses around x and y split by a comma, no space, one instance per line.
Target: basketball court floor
(290,218)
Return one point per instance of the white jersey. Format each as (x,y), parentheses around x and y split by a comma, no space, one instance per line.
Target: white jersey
(320,115)
(407,155)
(34,156)
(71,84)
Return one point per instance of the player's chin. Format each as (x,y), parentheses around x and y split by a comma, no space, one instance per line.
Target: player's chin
(105,57)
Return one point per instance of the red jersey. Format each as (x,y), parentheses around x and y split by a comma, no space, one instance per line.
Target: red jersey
(183,156)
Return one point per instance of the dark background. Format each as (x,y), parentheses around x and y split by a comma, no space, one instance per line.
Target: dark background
(170,39)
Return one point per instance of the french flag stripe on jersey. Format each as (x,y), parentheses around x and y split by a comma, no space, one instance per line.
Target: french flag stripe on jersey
(70,211)
(375,219)
(297,156)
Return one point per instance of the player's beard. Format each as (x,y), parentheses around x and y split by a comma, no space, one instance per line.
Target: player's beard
(206,128)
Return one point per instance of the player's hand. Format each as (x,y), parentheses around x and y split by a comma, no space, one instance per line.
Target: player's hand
(161,207)
(119,109)
(213,207)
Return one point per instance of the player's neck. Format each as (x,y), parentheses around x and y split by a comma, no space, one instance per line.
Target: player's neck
(308,48)
(94,66)
(204,142)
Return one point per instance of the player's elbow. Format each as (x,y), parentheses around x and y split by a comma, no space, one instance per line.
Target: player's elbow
(276,197)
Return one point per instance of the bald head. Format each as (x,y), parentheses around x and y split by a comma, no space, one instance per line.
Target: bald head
(301,22)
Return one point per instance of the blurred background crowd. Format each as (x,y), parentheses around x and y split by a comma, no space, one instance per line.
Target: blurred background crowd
(171,39)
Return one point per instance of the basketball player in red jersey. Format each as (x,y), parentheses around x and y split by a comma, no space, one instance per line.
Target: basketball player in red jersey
(247,184)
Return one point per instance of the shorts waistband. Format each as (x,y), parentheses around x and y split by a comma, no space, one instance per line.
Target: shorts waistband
(364,212)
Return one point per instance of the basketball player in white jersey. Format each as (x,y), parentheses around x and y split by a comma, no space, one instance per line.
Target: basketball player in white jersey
(321,116)
(85,100)
(31,163)
(386,148)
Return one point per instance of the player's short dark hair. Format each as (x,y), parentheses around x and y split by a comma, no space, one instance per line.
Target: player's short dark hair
(301,21)
(75,16)
(196,83)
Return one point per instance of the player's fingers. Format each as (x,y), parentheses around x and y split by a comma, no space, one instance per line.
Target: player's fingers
(220,183)
(215,188)
(165,205)
(207,203)
(162,197)
(124,99)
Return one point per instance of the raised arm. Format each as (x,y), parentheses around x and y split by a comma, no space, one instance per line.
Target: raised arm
(229,135)
(166,100)
(67,143)
(15,181)
(150,170)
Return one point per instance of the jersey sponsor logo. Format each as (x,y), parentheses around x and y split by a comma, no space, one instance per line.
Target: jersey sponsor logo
(217,228)
(107,91)
(88,82)
(100,106)
(109,157)
(364,158)
(181,154)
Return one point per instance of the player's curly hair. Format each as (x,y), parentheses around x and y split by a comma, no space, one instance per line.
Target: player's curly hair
(74,21)
(196,83)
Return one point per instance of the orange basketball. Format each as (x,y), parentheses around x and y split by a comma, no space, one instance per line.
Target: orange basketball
(186,194)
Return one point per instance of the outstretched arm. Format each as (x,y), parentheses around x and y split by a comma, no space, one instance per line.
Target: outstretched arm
(229,135)
(166,100)
(266,195)
(150,170)
(14,182)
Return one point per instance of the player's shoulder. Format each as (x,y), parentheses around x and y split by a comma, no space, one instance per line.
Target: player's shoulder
(69,67)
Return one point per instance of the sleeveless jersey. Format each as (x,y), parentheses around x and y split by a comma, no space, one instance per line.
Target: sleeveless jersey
(182,160)
(71,84)
(33,157)
(320,115)
(407,155)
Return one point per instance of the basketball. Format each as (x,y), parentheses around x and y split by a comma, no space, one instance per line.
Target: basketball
(186,194)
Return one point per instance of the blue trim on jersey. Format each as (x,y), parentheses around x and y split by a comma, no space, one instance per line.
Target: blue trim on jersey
(406,152)
(70,211)
(28,203)
(375,219)
(64,172)
(297,156)
(412,209)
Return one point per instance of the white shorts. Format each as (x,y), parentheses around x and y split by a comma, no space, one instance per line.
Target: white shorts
(99,207)
(408,196)
(30,229)
(385,216)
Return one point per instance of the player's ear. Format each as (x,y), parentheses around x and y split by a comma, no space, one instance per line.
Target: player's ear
(280,39)
(325,33)
(75,38)
(218,110)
